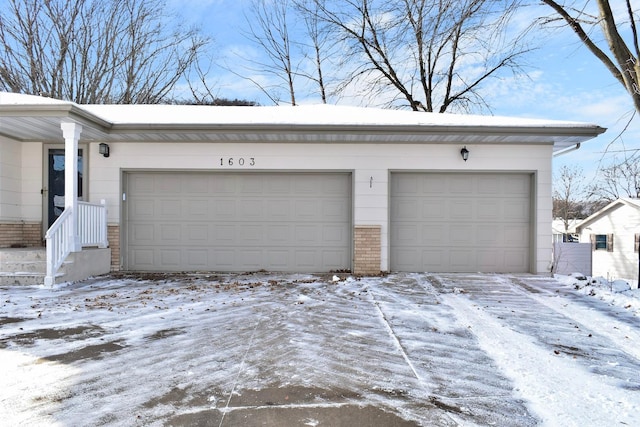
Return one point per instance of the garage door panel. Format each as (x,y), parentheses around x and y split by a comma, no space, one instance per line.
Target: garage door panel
(408,209)
(335,210)
(170,234)
(336,235)
(252,185)
(279,233)
(333,258)
(225,209)
(430,211)
(141,232)
(198,233)
(143,208)
(489,235)
(170,258)
(516,236)
(142,184)
(460,210)
(196,209)
(306,234)
(517,184)
(488,186)
(431,257)
(461,258)
(143,257)
(197,257)
(279,209)
(461,235)
(516,260)
(251,234)
(491,259)
(459,186)
(516,210)
(238,221)
(488,209)
(431,233)
(467,222)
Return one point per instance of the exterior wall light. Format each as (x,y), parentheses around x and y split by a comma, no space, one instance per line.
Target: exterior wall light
(103,149)
(464,153)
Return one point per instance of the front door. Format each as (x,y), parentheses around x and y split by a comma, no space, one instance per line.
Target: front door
(54,182)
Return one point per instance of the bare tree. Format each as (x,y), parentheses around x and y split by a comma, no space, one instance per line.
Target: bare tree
(621,56)
(319,43)
(295,45)
(619,179)
(94,51)
(427,55)
(269,28)
(568,191)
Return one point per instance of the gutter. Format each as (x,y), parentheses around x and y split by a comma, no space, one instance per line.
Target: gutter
(567,150)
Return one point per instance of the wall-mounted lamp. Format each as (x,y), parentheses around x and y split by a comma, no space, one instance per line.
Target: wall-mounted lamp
(464,153)
(103,149)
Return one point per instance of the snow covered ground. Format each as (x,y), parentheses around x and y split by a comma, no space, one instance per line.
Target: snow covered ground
(264,349)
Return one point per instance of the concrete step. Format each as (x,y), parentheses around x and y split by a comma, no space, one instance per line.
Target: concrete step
(22,254)
(21,278)
(26,266)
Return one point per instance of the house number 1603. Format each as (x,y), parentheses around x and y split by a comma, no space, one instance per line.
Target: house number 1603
(237,161)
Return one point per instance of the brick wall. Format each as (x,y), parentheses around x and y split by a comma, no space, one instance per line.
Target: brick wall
(366,251)
(113,234)
(21,234)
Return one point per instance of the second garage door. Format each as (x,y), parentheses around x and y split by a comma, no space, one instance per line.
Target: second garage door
(445,222)
(294,222)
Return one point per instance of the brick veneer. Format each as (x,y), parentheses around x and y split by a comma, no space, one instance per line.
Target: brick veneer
(366,251)
(20,234)
(113,234)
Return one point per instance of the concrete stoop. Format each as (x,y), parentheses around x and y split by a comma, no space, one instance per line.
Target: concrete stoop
(28,266)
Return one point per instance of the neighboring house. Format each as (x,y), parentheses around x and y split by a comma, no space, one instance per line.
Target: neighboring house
(295,189)
(560,234)
(613,233)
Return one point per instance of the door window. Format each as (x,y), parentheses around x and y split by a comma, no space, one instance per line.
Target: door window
(56,182)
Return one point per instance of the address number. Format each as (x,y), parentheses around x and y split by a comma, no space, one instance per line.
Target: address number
(237,161)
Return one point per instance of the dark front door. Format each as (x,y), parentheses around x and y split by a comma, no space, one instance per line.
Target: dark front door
(55,194)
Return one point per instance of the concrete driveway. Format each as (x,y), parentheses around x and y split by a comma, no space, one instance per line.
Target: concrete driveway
(303,350)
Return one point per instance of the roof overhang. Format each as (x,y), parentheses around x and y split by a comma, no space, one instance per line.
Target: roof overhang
(40,122)
(616,204)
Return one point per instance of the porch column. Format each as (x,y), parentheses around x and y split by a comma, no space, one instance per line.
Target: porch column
(71,132)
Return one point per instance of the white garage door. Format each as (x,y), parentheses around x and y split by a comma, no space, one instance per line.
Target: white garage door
(446,222)
(295,222)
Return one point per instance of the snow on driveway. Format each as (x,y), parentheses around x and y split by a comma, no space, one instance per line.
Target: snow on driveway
(261,349)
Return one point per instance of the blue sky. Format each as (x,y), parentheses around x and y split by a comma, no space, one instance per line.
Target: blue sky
(565,81)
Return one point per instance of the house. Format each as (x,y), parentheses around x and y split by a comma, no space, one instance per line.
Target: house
(560,234)
(296,189)
(614,232)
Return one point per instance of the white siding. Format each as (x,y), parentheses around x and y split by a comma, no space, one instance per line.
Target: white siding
(371,165)
(32,181)
(10,180)
(623,222)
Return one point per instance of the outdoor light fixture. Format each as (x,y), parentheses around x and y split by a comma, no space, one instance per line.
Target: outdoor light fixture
(103,149)
(464,153)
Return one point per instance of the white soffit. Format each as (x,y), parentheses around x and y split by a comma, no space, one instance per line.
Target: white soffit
(32,118)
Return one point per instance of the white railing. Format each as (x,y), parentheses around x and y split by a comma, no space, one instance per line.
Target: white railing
(92,224)
(91,228)
(59,245)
